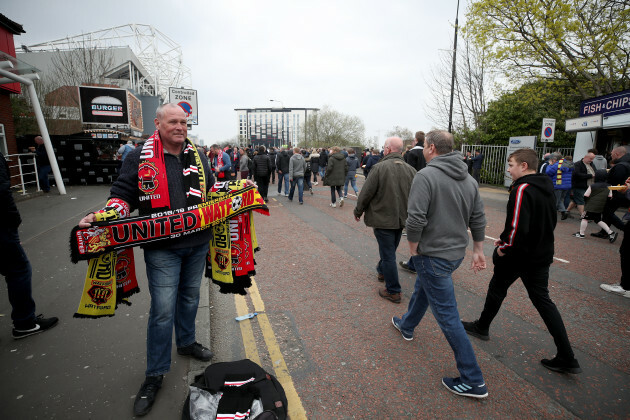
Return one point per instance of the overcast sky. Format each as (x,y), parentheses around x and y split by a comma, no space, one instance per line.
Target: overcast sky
(368,58)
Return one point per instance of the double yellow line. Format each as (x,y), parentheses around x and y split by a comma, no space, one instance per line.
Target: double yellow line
(296,411)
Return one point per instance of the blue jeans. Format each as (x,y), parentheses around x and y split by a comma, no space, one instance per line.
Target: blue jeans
(174,279)
(42,174)
(560,194)
(16,269)
(300,183)
(434,287)
(285,178)
(353,181)
(322,172)
(388,240)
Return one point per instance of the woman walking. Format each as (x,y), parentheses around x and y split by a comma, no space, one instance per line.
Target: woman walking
(336,172)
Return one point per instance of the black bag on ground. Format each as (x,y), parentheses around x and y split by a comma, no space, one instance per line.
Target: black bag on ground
(235,387)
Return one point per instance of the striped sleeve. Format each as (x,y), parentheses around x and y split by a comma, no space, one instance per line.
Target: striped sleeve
(516,222)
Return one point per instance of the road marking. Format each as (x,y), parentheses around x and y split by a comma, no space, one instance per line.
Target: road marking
(251,352)
(296,410)
(557,259)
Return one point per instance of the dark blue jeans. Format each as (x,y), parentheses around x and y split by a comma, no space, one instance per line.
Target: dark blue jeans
(388,240)
(16,269)
(434,287)
(300,184)
(283,178)
(42,174)
(174,279)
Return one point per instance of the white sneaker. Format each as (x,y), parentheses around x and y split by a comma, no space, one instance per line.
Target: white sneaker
(615,288)
(341,202)
(316,183)
(333,205)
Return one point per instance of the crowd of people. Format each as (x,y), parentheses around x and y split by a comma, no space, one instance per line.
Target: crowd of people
(426,189)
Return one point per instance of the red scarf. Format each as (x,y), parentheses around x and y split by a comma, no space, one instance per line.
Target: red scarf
(220,174)
(152,180)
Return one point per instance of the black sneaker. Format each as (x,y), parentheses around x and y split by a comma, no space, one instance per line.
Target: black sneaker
(562,365)
(38,325)
(613,237)
(564,216)
(146,396)
(601,234)
(396,323)
(197,351)
(405,266)
(472,328)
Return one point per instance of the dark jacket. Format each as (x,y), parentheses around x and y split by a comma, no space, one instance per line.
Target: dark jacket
(262,166)
(9,214)
(315,162)
(527,238)
(126,188)
(282,162)
(581,176)
(599,193)
(415,158)
(41,156)
(353,165)
(477,161)
(620,171)
(336,170)
(272,158)
(385,193)
(323,159)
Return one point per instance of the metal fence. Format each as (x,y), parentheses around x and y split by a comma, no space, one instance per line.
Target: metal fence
(495,157)
(24,167)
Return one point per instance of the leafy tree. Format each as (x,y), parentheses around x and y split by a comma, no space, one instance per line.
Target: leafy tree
(582,42)
(329,128)
(520,113)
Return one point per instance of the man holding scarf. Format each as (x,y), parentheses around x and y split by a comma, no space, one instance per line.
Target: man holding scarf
(221,163)
(167,173)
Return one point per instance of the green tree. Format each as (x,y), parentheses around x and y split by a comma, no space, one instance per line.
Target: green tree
(329,128)
(582,42)
(520,113)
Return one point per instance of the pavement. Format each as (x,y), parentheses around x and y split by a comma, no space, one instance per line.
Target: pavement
(321,329)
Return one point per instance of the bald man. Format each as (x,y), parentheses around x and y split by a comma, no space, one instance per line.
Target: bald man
(383,199)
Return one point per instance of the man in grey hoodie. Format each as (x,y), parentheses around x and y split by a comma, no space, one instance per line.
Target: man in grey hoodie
(444,202)
(297,166)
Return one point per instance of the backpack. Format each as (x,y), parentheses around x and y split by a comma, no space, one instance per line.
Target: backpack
(235,387)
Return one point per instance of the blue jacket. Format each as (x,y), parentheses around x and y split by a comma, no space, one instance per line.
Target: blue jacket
(567,173)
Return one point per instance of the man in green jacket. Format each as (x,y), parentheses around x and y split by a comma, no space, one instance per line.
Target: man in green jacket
(383,199)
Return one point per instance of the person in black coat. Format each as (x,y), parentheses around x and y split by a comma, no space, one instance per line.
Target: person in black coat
(272,158)
(415,157)
(262,170)
(282,163)
(323,162)
(583,173)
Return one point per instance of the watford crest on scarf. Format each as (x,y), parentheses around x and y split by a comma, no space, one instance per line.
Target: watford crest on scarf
(107,244)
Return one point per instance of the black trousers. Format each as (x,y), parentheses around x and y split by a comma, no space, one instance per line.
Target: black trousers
(536,280)
(610,218)
(263,185)
(273,175)
(624,254)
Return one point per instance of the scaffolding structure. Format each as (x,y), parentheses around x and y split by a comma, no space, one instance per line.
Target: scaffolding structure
(159,55)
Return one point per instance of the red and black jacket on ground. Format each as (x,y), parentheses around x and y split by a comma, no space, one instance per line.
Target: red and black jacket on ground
(531,219)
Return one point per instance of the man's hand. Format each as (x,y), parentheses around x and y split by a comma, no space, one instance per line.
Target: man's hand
(87,220)
(250,182)
(358,219)
(478,260)
(413,248)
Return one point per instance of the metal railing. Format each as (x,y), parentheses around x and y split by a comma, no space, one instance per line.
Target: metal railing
(495,157)
(26,165)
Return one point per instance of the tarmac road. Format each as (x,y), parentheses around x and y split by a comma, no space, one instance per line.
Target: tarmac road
(322,329)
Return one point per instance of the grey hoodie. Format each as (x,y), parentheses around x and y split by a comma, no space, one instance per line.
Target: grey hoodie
(444,202)
(297,166)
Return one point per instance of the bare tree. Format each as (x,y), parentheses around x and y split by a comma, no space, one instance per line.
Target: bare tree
(402,132)
(332,128)
(471,88)
(84,64)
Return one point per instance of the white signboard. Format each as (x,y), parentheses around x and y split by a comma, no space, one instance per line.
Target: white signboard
(592,122)
(187,100)
(548,130)
(523,142)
